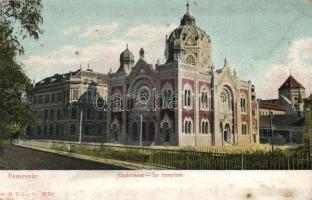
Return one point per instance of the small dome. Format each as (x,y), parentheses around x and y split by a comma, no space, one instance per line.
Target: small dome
(187,19)
(126,56)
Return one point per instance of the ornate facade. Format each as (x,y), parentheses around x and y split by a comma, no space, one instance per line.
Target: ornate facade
(184,101)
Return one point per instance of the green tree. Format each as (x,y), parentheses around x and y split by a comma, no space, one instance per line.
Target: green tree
(19,19)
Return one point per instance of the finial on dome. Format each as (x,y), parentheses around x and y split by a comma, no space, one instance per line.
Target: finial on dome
(187,6)
(110,70)
(141,53)
(127,46)
(226,62)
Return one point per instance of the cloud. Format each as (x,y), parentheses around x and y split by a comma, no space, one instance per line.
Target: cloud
(100,30)
(299,61)
(92,31)
(149,31)
(100,57)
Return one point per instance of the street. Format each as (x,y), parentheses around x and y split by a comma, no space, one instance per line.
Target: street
(18,158)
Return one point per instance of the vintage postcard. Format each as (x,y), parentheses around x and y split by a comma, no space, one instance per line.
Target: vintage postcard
(137,99)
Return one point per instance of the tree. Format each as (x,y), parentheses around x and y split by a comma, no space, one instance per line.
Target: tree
(19,19)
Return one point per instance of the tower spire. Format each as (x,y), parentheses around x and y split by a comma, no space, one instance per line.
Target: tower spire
(187,6)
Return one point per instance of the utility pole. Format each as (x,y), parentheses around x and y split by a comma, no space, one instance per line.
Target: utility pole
(271,126)
(141,131)
(80,127)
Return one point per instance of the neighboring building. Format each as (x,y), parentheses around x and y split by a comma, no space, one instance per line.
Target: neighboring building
(308,122)
(59,100)
(287,114)
(183,101)
(267,108)
(287,129)
(290,96)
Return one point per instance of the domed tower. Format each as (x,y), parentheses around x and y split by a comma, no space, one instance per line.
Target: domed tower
(189,44)
(126,61)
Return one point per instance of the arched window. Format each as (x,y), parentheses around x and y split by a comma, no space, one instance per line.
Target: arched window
(206,128)
(188,125)
(51,129)
(225,99)
(39,131)
(189,128)
(189,98)
(87,130)
(243,104)
(116,102)
(167,96)
(134,130)
(185,97)
(203,127)
(151,131)
(144,94)
(144,133)
(204,99)
(244,129)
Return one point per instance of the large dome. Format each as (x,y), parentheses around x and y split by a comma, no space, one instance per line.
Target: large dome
(188,38)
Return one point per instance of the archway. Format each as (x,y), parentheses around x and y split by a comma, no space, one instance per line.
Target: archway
(227,133)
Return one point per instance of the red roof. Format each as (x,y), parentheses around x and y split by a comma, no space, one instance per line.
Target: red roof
(271,106)
(291,83)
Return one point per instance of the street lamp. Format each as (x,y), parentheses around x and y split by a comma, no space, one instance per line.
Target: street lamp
(271,127)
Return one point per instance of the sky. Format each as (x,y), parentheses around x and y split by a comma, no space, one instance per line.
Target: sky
(264,41)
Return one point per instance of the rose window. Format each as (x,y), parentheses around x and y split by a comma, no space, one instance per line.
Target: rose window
(190,60)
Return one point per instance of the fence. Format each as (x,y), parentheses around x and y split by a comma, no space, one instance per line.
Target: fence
(188,159)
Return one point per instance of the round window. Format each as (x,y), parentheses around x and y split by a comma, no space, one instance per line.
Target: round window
(144,94)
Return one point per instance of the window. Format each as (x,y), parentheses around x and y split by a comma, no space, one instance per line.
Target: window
(167,94)
(73,129)
(52,114)
(87,130)
(99,130)
(116,102)
(100,115)
(58,114)
(243,104)
(34,100)
(45,129)
(244,129)
(59,97)
(205,127)
(187,126)
(53,98)
(253,112)
(46,98)
(75,94)
(144,94)
(190,59)
(38,130)
(46,114)
(57,129)
(89,95)
(51,129)
(151,131)
(134,130)
(40,100)
(187,98)
(88,113)
(74,113)
(225,99)
(204,100)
